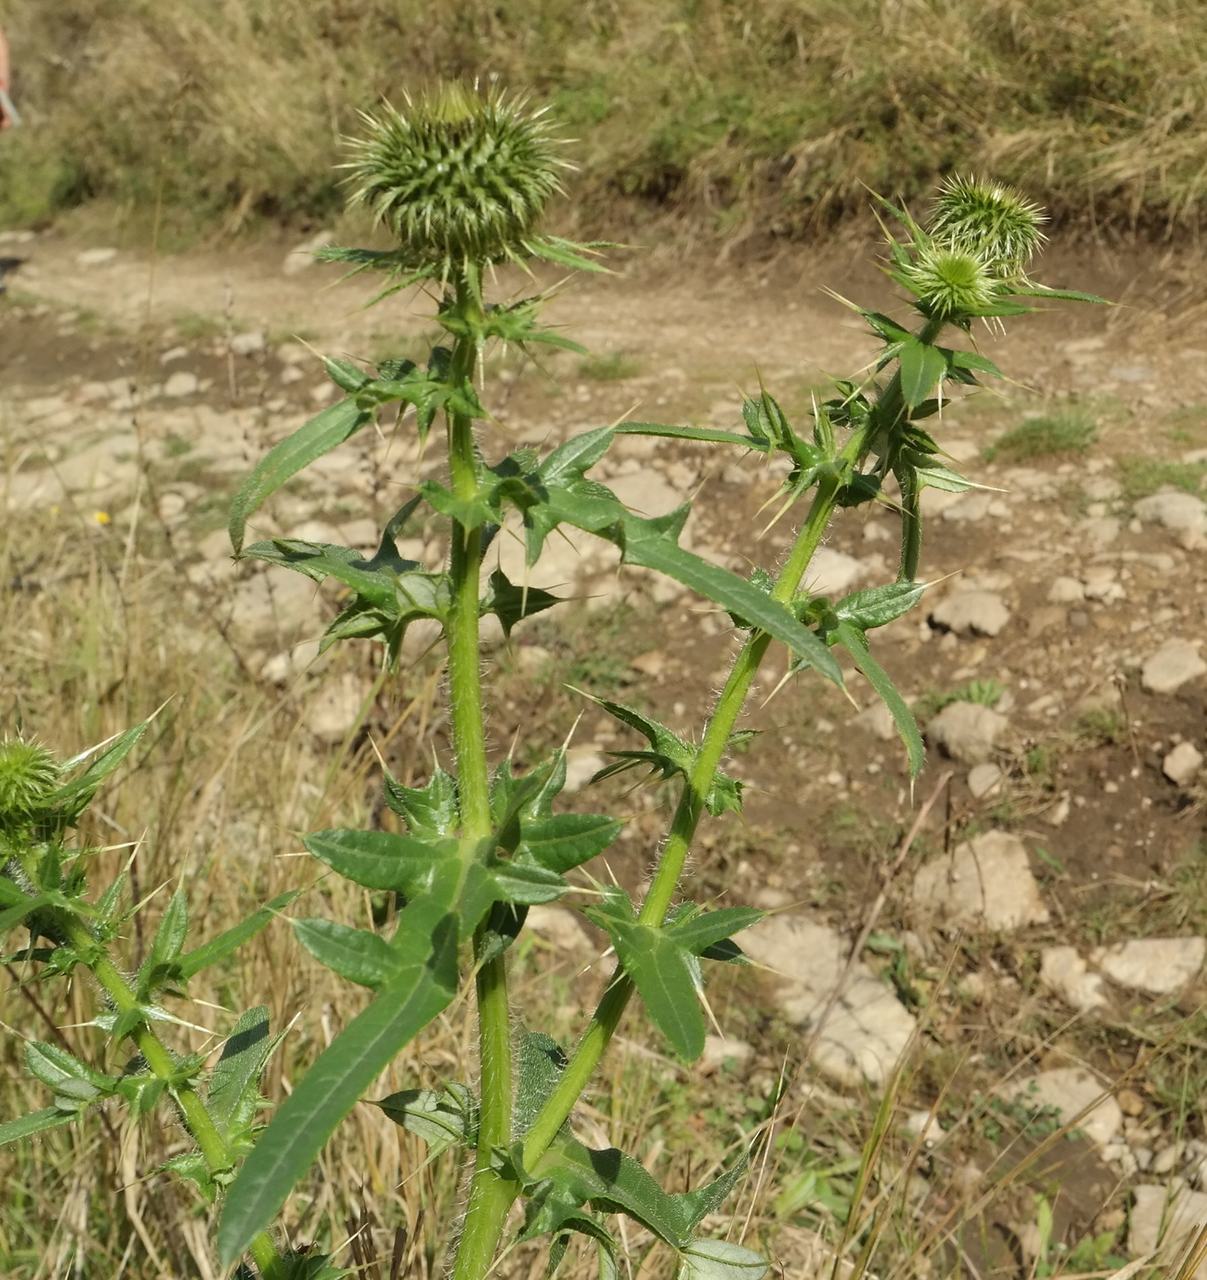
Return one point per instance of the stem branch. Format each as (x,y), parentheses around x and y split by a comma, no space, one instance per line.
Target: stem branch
(210,1142)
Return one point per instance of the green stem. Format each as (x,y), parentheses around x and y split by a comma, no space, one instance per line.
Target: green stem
(490,1195)
(691,806)
(488,1227)
(210,1142)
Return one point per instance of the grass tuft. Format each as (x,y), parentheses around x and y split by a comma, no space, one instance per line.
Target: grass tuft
(1067,431)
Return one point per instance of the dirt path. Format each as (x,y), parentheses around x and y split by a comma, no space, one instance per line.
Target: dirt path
(1057,664)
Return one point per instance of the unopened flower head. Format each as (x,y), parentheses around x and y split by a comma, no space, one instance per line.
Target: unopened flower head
(29,773)
(950,283)
(991,220)
(460,175)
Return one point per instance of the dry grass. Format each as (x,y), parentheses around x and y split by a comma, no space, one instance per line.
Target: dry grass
(762,120)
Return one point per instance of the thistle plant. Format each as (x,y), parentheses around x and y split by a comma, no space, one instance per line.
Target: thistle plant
(460,179)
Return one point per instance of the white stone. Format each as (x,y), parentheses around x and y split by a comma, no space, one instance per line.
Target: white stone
(878,721)
(1066,972)
(559,927)
(301,255)
(1163,1219)
(334,709)
(865,1031)
(833,573)
(1066,591)
(720,1050)
(248,344)
(1070,1090)
(981,613)
(1174,509)
(924,1125)
(1182,764)
(966,731)
(582,764)
(984,780)
(275,606)
(1159,966)
(986,881)
(95,257)
(1173,664)
(181,383)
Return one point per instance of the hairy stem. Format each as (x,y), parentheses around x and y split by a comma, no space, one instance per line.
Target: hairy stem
(157,1056)
(489,1195)
(889,413)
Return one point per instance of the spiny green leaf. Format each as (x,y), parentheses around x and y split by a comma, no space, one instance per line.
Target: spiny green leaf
(567,840)
(708,435)
(698,931)
(356,954)
(424,987)
(35,1122)
(879,606)
(719,1260)
(237,1072)
(71,798)
(430,810)
(320,435)
(645,543)
(381,859)
(442,1118)
(192,962)
(922,365)
(167,945)
(512,604)
(70,1078)
(855,642)
(659,966)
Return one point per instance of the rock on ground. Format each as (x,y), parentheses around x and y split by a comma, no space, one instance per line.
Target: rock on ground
(1070,1090)
(1182,764)
(966,731)
(1158,966)
(1163,1218)
(1065,971)
(1173,664)
(866,1031)
(981,613)
(986,881)
(559,927)
(332,711)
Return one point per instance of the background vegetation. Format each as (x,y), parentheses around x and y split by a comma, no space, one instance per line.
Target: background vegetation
(743,119)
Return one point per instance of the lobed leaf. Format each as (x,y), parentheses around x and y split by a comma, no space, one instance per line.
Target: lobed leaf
(381,859)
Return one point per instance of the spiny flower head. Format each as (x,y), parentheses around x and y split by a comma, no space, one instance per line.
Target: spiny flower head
(459,176)
(988,219)
(29,773)
(950,283)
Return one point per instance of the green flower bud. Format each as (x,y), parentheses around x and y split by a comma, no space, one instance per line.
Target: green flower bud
(460,176)
(993,221)
(950,283)
(28,776)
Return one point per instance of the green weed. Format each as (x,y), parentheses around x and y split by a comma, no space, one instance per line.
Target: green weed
(1069,431)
